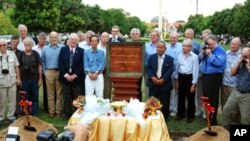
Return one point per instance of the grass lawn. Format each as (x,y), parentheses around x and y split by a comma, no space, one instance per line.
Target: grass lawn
(173,125)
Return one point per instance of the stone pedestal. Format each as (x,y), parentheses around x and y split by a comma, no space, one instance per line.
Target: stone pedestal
(126,87)
(125,66)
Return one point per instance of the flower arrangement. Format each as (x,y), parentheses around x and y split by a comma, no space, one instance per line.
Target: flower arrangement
(153,102)
(79,103)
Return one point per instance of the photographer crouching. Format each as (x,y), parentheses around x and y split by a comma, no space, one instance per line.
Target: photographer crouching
(239,99)
(213,63)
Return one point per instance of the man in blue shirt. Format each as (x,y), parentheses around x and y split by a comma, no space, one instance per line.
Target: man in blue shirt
(239,99)
(94,62)
(50,57)
(213,62)
(173,50)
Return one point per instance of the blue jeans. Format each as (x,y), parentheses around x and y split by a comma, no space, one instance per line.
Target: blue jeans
(31,87)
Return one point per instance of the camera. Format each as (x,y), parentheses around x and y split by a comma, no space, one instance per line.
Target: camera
(49,135)
(205,46)
(5,71)
(26,68)
(244,61)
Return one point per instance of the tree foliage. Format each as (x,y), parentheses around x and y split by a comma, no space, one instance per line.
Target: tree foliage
(37,15)
(234,21)
(6,25)
(71,16)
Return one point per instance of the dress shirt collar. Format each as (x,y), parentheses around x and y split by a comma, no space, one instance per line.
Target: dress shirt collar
(57,45)
(38,46)
(162,56)
(153,45)
(73,49)
(93,51)
(235,53)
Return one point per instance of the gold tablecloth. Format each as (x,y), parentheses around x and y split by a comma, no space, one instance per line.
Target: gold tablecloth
(112,128)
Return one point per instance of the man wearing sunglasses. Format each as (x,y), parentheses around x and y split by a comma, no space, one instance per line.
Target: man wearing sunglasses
(9,77)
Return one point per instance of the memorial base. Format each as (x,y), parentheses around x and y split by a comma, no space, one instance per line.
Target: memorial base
(126,88)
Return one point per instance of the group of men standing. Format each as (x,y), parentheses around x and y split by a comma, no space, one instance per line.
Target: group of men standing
(189,71)
(174,72)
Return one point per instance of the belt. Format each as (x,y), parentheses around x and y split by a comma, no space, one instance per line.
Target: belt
(244,92)
(53,69)
(186,74)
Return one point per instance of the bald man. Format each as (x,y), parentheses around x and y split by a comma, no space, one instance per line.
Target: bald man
(229,82)
(50,56)
(239,99)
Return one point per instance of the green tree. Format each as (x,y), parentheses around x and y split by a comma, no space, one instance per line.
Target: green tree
(242,20)
(94,20)
(220,22)
(72,16)
(197,22)
(6,25)
(37,15)
(135,22)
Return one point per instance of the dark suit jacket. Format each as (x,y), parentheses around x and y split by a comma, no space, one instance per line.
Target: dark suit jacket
(167,70)
(119,39)
(77,65)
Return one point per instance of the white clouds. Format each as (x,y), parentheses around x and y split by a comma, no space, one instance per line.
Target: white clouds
(176,9)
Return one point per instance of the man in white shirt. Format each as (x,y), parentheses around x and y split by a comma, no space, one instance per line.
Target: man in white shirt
(23,33)
(39,48)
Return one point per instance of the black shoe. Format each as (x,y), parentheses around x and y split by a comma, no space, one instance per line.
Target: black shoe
(190,120)
(179,118)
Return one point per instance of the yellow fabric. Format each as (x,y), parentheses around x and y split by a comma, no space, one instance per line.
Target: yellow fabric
(126,129)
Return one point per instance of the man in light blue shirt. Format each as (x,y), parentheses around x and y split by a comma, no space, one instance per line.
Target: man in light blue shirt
(173,50)
(50,61)
(94,63)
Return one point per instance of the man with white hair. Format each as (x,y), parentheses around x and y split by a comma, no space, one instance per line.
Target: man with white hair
(50,56)
(107,81)
(9,79)
(173,50)
(186,74)
(189,34)
(86,44)
(71,73)
(31,74)
(23,33)
(135,34)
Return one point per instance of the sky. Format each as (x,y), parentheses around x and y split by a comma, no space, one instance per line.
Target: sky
(172,9)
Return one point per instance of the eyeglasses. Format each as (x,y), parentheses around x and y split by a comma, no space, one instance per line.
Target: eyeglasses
(3,45)
(186,45)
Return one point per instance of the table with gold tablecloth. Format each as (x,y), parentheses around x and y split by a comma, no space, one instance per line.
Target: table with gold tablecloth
(118,128)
